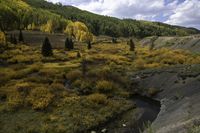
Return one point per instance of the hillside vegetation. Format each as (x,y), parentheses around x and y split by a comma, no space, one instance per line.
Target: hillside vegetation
(103,25)
(39,14)
(17,14)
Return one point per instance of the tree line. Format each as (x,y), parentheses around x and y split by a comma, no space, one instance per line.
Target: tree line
(47,17)
(104,25)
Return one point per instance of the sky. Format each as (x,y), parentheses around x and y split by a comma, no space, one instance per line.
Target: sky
(176,12)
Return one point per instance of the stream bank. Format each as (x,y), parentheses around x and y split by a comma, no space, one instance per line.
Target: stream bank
(179,93)
(134,120)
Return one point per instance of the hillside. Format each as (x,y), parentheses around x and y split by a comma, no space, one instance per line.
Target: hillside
(16,14)
(97,24)
(112,26)
(191,43)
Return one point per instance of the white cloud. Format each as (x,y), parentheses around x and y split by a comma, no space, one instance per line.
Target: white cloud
(144,9)
(186,14)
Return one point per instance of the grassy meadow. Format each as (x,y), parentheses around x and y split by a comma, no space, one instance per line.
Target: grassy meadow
(71,92)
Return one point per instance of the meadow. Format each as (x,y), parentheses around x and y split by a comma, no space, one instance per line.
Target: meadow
(77,90)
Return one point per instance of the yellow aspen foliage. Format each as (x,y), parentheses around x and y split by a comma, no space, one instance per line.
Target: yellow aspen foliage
(79,31)
(48,27)
(69,29)
(31,26)
(2,38)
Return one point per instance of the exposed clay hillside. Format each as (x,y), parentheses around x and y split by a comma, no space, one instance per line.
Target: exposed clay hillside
(191,43)
(179,95)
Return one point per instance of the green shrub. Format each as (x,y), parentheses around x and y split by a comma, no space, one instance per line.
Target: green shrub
(40,98)
(84,87)
(194,129)
(104,86)
(77,83)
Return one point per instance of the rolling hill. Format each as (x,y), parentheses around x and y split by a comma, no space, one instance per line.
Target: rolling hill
(111,26)
(43,11)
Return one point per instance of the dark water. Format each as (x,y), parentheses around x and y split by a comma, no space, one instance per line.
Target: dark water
(148,110)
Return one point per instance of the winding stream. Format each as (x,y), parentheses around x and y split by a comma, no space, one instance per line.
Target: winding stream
(133,121)
(150,109)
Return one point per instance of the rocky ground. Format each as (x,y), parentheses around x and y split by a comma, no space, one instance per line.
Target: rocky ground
(179,95)
(191,43)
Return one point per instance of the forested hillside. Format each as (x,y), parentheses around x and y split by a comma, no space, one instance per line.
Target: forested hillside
(112,26)
(48,17)
(16,14)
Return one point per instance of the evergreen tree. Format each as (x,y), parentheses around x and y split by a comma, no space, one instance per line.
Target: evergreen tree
(132,45)
(152,45)
(11,38)
(46,48)
(67,44)
(89,45)
(114,40)
(78,54)
(71,43)
(21,38)
(14,40)
(84,66)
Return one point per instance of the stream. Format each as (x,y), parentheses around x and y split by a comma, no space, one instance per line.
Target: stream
(150,108)
(133,121)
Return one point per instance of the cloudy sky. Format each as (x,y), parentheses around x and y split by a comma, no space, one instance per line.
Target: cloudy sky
(176,12)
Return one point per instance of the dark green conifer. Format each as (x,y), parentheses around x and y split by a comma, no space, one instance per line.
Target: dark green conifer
(132,45)
(67,45)
(71,43)
(14,40)
(78,54)
(89,45)
(46,48)
(21,38)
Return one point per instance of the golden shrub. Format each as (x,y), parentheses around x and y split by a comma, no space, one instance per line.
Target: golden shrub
(104,86)
(14,100)
(58,89)
(73,75)
(2,38)
(19,94)
(40,98)
(97,98)
(140,63)
(57,86)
